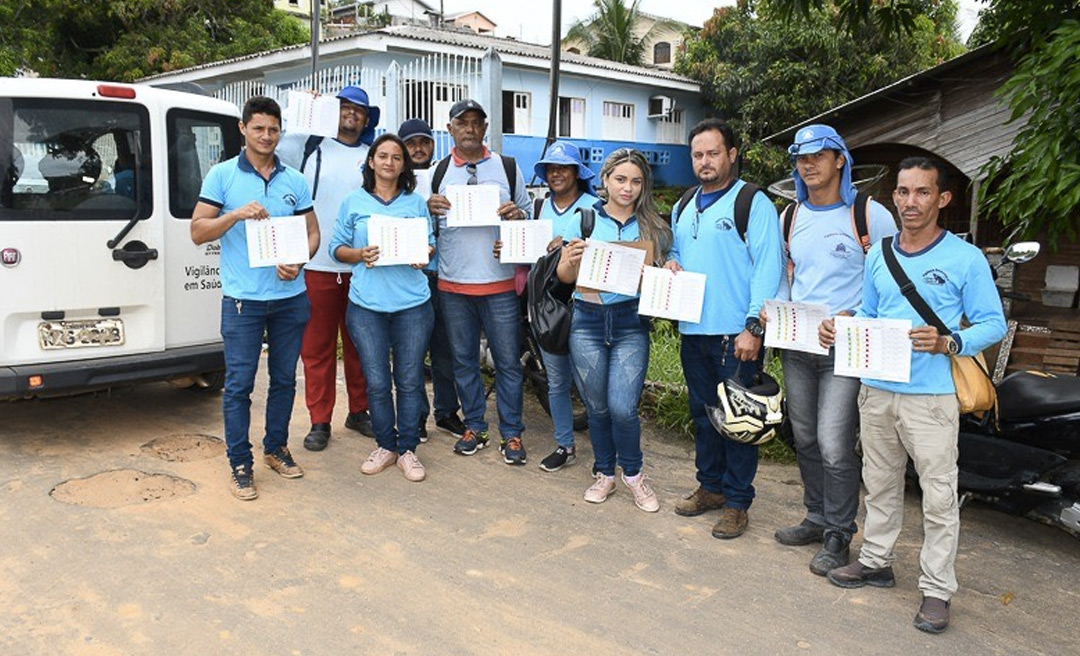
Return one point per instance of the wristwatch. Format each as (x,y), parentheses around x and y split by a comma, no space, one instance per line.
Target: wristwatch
(951,346)
(754,327)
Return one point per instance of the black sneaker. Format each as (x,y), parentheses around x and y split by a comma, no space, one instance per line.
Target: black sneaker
(558,459)
(360,421)
(833,554)
(513,451)
(423,431)
(451,424)
(243,483)
(805,532)
(317,438)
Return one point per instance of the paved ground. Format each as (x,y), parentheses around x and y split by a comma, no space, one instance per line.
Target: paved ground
(481,558)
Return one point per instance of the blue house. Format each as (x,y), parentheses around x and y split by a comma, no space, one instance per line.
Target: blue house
(414,71)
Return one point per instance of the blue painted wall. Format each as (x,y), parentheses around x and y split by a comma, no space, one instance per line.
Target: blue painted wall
(670,162)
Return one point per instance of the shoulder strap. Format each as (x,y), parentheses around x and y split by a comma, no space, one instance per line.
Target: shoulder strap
(858,220)
(681,205)
(907,288)
(788,218)
(538,204)
(510,167)
(742,208)
(439,174)
(588,221)
(312,146)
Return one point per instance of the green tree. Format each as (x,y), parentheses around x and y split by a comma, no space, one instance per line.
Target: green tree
(610,32)
(1036,187)
(128,39)
(765,70)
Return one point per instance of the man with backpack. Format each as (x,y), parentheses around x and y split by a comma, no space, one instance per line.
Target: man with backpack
(826,232)
(332,169)
(477,291)
(728,230)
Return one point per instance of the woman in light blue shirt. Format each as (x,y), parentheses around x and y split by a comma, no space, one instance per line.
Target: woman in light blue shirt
(609,341)
(390,311)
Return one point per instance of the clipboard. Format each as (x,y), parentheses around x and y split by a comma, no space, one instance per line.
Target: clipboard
(593,295)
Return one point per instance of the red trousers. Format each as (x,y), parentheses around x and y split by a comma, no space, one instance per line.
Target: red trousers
(328,294)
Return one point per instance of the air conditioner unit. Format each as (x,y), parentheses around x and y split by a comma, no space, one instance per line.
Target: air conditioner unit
(661,106)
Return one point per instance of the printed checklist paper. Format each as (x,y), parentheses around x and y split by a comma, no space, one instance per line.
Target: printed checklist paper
(277,240)
(873,348)
(524,242)
(308,114)
(671,295)
(609,267)
(400,241)
(472,206)
(794,326)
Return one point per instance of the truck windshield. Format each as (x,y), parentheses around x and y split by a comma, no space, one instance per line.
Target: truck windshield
(72,160)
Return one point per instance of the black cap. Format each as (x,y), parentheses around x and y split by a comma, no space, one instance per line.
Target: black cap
(467,105)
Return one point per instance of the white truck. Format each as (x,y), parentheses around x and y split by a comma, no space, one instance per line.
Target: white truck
(100,283)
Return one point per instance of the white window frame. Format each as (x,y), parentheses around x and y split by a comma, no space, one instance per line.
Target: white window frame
(618,121)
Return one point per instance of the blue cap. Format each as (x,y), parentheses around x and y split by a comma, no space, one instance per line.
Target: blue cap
(816,138)
(358,96)
(415,127)
(564,153)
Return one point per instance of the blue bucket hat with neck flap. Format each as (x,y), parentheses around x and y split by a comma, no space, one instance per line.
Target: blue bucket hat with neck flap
(815,138)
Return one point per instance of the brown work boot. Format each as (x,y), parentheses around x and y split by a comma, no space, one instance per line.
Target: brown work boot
(699,501)
(933,615)
(732,523)
(856,575)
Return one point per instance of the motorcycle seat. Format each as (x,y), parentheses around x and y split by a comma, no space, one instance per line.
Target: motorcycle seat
(1028,394)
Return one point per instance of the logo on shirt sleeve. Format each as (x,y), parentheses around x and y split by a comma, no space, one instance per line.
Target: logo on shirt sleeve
(290,199)
(935,277)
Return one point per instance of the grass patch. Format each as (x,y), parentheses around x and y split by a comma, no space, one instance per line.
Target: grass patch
(666,401)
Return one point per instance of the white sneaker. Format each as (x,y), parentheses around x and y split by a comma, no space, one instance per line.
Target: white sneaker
(410,465)
(598,492)
(644,497)
(379,460)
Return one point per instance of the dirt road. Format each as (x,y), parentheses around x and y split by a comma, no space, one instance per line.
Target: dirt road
(482,558)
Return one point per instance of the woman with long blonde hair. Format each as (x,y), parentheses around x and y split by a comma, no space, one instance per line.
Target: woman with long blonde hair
(609,341)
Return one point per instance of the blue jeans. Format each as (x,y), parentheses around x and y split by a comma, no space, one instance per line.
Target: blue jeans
(243,324)
(500,317)
(824,413)
(609,348)
(402,335)
(444,389)
(560,378)
(723,465)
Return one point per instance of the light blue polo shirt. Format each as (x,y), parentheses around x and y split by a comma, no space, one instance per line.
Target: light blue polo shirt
(235,183)
(386,288)
(567,222)
(740,275)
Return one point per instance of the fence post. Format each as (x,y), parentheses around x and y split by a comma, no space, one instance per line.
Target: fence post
(391,112)
(491,96)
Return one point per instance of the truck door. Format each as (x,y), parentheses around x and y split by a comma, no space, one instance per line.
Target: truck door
(80,240)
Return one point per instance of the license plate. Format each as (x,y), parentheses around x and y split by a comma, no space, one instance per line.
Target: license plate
(80,333)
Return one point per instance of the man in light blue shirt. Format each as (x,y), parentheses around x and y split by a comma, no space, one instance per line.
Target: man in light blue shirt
(255,186)
(825,249)
(919,419)
(742,271)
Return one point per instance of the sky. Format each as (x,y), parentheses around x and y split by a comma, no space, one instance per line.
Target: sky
(530,20)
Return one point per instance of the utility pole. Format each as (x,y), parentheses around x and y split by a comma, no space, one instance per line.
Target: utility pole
(315,25)
(553,108)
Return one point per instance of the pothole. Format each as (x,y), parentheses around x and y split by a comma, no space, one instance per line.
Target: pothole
(185,447)
(121,487)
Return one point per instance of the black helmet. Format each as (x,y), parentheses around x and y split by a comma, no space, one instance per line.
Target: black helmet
(748,415)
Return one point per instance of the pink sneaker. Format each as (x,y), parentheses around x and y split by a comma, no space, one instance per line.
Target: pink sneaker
(379,460)
(410,465)
(598,492)
(644,497)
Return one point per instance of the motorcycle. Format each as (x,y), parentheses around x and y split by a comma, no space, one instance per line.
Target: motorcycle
(1025,458)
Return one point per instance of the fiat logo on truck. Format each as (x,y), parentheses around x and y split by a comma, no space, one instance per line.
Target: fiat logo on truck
(10,257)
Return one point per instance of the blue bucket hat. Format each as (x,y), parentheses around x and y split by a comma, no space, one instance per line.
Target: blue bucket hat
(564,153)
(358,96)
(815,138)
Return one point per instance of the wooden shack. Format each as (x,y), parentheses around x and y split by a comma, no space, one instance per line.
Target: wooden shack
(953,112)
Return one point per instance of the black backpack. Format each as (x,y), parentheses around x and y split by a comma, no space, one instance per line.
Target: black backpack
(742,206)
(509,166)
(312,146)
(548,299)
